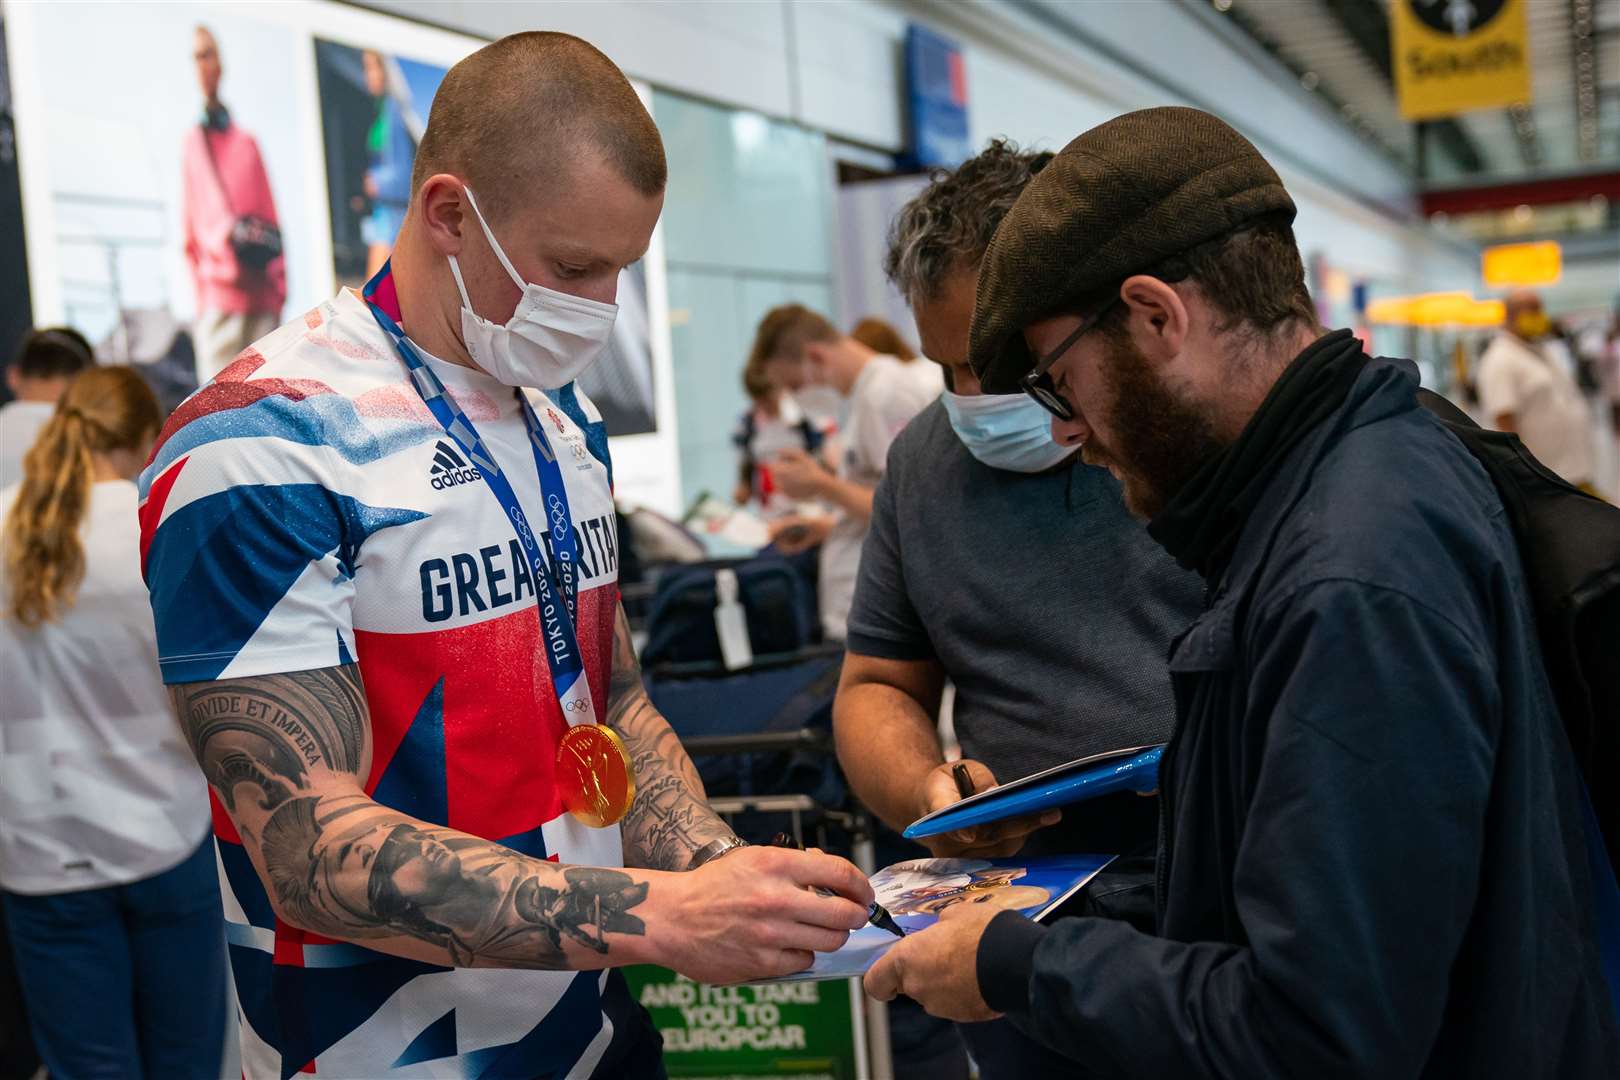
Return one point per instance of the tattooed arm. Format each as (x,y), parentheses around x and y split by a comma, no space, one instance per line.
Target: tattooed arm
(287,756)
(670,817)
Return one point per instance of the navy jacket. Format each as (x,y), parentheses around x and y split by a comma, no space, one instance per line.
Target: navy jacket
(1372,861)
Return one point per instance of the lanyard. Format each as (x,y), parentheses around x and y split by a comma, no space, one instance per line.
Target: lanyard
(556,594)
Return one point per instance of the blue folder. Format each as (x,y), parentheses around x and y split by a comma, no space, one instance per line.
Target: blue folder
(1132,769)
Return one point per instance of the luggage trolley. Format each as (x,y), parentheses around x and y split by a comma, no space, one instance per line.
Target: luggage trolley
(755,714)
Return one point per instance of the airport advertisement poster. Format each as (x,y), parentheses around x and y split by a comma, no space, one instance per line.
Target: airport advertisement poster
(806,1030)
(173,120)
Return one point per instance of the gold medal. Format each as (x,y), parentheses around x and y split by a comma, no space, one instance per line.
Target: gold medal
(594,775)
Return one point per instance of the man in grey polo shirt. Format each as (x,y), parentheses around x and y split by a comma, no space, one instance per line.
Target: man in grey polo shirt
(999,561)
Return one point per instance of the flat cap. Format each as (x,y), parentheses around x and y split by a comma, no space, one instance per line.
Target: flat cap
(1117,200)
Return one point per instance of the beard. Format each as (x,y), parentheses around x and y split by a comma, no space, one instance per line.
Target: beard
(1158,439)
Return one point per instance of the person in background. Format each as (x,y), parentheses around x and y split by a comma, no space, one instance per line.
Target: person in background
(773,423)
(106,874)
(224,180)
(883,394)
(389,154)
(1523,388)
(46,361)
(881,337)
(1373,860)
(1055,654)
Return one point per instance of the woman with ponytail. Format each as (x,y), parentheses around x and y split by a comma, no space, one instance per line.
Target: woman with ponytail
(109,886)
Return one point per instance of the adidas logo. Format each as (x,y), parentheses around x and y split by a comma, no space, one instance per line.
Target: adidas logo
(449,468)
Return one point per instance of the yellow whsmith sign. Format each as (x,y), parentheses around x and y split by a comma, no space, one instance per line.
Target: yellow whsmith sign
(1451,56)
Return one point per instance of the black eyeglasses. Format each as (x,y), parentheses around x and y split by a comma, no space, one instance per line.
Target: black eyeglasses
(1038,383)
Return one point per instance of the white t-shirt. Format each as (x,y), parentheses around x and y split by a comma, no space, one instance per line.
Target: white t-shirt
(1547,407)
(774,434)
(305,510)
(20,422)
(97,786)
(886,395)
(761,438)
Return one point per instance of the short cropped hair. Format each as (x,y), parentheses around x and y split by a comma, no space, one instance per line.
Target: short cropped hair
(507,115)
(53,353)
(785,330)
(948,226)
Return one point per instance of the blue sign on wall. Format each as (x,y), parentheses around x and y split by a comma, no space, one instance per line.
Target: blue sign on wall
(936,89)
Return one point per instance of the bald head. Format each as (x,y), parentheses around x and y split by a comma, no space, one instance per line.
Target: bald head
(526,112)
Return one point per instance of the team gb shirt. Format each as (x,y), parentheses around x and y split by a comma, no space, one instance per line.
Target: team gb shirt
(305,510)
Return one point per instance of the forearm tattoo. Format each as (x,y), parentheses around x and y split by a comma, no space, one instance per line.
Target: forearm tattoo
(670,816)
(287,755)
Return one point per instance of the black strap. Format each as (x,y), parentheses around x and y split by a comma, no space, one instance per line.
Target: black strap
(811,437)
(219,181)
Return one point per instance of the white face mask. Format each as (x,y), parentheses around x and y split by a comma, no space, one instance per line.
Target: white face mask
(1006,431)
(551,338)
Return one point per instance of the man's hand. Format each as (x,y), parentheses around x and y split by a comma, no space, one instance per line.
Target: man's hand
(993,840)
(798,532)
(938,967)
(799,474)
(752,915)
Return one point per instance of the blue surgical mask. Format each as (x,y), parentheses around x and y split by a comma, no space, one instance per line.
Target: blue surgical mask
(1006,431)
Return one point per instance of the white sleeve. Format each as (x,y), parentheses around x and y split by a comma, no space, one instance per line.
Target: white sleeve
(894,398)
(249,543)
(1499,383)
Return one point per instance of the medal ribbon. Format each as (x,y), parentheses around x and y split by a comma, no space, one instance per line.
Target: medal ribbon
(556,594)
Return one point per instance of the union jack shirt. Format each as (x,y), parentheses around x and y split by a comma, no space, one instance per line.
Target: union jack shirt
(305,510)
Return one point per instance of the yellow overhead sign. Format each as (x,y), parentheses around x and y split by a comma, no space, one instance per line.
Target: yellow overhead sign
(1451,56)
(1509,265)
(1453,309)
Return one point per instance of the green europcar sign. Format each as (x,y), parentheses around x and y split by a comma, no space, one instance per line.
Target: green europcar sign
(804,1029)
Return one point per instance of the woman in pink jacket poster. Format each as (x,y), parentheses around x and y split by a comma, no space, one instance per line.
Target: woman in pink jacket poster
(232,235)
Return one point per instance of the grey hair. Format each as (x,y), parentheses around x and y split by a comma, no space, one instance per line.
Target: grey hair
(948,225)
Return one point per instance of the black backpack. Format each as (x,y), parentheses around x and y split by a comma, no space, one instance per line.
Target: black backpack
(778,604)
(1569,542)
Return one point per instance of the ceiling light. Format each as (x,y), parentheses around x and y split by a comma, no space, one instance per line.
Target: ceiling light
(1223,5)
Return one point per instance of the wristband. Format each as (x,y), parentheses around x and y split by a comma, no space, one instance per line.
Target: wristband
(714,849)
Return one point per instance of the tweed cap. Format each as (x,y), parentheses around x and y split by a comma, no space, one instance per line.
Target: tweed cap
(1117,200)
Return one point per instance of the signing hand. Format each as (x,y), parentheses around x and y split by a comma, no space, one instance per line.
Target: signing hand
(798,474)
(938,967)
(993,840)
(751,915)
